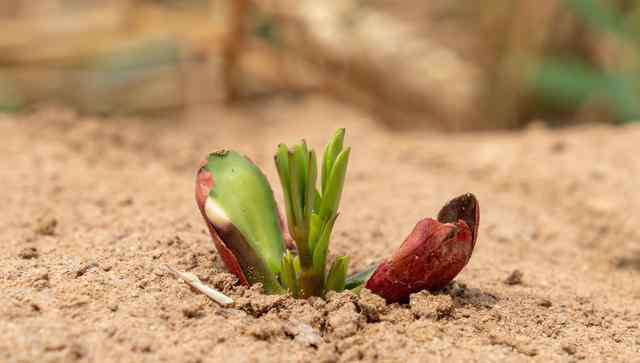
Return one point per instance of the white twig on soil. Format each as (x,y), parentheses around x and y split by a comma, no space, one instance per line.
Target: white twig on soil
(193,281)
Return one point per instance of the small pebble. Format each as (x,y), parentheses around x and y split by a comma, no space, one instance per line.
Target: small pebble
(570,348)
(304,334)
(426,305)
(545,303)
(515,278)
(28,253)
(86,267)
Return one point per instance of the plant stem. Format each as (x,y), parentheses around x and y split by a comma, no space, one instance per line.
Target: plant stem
(309,283)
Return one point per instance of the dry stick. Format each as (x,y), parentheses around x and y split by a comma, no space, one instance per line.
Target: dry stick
(193,281)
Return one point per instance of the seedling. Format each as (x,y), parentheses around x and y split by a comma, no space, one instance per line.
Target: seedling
(311,214)
(240,211)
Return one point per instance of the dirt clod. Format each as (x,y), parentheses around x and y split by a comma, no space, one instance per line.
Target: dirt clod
(344,321)
(520,344)
(429,306)
(223,281)
(545,303)
(46,226)
(28,253)
(257,304)
(303,334)
(514,278)
(84,268)
(371,305)
(40,279)
(570,348)
(266,330)
(193,311)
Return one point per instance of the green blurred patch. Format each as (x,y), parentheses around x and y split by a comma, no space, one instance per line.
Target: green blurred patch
(569,82)
(10,100)
(599,16)
(265,28)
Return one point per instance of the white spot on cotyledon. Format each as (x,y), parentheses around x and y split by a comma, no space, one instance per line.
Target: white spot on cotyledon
(214,212)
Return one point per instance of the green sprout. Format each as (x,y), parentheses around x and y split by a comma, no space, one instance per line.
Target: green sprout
(237,202)
(311,215)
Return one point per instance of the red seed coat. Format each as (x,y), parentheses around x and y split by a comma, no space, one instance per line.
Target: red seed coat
(432,255)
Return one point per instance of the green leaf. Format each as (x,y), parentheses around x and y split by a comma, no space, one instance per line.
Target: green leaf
(288,275)
(331,198)
(336,279)
(315,228)
(296,175)
(322,247)
(326,167)
(304,155)
(241,207)
(296,265)
(317,202)
(301,157)
(358,279)
(282,164)
(311,192)
(331,151)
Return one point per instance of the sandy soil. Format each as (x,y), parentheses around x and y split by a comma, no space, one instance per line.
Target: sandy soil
(92,210)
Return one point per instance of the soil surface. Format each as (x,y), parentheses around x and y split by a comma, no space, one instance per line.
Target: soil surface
(92,210)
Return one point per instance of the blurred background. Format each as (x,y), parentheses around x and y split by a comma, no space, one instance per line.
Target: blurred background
(446,64)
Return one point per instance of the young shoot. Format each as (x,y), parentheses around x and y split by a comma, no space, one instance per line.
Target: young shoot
(311,215)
